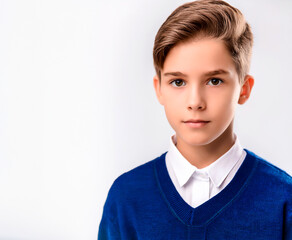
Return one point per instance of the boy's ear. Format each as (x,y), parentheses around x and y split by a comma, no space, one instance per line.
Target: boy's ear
(246,89)
(157,88)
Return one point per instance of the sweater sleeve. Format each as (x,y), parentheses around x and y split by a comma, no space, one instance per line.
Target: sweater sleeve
(288,222)
(109,226)
(108,229)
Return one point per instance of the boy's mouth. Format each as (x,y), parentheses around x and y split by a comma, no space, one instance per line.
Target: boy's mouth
(196,123)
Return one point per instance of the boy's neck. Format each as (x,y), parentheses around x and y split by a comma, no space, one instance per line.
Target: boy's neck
(203,156)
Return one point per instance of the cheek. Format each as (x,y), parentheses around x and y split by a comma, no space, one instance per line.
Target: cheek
(171,117)
(224,105)
(173,103)
(173,110)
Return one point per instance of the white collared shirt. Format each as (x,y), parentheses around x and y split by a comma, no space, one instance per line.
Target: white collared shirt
(196,186)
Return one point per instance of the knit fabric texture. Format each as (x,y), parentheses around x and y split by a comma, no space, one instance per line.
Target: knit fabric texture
(144,204)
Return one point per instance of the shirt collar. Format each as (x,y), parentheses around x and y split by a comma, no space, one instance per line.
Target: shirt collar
(217,171)
(182,168)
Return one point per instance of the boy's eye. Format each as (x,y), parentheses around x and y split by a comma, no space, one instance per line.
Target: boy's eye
(215,81)
(178,82)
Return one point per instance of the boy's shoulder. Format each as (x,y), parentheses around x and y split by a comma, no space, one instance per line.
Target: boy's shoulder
(269,171)
(137,178)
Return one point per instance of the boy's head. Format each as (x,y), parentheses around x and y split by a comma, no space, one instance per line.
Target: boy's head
(206,19)
(201,55)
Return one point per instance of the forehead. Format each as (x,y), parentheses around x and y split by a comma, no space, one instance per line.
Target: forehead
(199,56)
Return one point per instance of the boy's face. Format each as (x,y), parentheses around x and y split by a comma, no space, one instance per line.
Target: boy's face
(199,82)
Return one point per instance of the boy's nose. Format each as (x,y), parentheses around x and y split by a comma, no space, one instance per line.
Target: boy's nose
(196,100)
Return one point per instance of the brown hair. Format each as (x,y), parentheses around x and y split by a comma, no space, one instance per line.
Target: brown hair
(206,18)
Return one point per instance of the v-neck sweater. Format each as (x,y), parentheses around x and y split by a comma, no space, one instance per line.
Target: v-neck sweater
(144,204)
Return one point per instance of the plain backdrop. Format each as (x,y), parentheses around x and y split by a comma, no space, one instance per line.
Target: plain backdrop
(78,108)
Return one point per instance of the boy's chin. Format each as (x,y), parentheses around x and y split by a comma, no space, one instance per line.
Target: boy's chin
(196,140)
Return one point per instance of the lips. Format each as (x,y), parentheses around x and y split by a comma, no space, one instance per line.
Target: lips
(196,123)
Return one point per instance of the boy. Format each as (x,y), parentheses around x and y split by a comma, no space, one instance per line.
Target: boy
(206,186)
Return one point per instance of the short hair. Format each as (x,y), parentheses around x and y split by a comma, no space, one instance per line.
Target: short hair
(206,18)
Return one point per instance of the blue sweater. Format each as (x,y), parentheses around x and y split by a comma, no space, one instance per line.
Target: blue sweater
(144,204)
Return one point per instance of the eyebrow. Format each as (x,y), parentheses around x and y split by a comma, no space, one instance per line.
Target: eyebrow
(176,74)
(211,73)
(216,72)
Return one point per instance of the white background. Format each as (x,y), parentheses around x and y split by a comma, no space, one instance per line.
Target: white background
(77,105)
